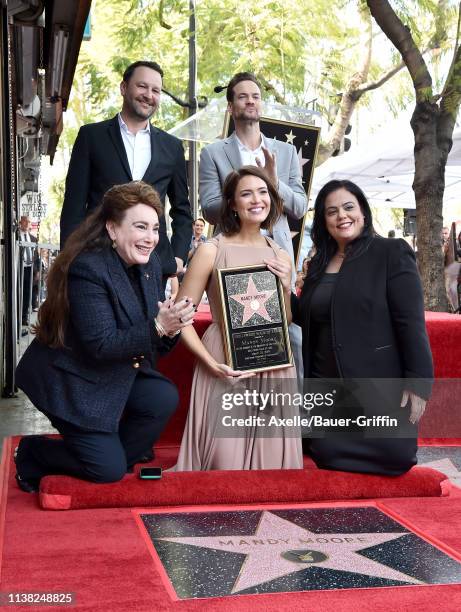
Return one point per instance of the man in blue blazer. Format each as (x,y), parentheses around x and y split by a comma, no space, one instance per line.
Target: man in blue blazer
(125,148)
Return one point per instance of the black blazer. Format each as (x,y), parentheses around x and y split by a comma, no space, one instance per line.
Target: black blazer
(377,316)
(99,162)
(108,338)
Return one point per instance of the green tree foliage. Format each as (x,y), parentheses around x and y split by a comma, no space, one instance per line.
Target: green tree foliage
(300,51)
(326,50)
(433,120)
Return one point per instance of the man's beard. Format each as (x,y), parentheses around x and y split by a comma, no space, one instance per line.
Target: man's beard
(248,118)
(141,113)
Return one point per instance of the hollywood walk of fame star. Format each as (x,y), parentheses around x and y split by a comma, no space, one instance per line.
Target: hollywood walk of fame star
(254,301)
(290,137)
(276,541)
(302,160)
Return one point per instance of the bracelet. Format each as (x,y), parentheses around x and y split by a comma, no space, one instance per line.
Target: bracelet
(161,331)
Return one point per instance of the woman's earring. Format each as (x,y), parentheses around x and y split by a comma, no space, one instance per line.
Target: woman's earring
(235,214)
(114,244)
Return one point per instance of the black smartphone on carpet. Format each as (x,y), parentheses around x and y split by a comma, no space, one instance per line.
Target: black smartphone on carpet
(150,473)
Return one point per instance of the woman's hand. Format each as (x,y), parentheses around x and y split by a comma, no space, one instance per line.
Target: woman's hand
(417,405)
(221,370)
(281,268)
(173,317)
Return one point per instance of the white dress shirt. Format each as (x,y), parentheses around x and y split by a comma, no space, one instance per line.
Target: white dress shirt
(248,156)
(137,147)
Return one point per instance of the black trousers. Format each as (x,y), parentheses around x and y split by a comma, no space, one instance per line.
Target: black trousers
(100,456)
(383,456)
(355,449)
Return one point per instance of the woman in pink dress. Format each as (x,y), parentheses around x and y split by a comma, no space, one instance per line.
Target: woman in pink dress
(250,203)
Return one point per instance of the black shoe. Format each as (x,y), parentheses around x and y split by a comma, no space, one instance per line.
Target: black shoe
(27,484)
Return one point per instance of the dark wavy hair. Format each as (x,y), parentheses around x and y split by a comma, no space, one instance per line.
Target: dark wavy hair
(229,222)
(91,235)
(325,245)
(238,78)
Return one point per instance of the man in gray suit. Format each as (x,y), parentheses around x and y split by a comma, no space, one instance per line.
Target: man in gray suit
(248,146)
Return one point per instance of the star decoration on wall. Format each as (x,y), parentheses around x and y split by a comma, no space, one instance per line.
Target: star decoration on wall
(253,301)
(302,160)
(290,137)
(279,548)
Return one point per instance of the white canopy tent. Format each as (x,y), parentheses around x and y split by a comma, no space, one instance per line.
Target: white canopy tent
(384,168)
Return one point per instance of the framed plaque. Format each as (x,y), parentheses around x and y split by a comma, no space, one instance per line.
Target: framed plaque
(306,139)
(255,328)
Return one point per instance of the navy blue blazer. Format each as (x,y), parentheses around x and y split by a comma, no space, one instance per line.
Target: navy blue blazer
(377,318)
(99,162)
(108,337)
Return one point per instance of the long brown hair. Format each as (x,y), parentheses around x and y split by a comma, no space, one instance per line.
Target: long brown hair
(91,235)
(229,221)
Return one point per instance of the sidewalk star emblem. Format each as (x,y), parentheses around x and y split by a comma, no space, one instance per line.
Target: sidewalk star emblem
(279,548)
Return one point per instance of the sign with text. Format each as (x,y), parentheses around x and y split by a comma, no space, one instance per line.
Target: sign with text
(254,321)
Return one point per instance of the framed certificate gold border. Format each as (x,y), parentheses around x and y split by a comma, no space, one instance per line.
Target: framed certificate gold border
(226,327)
(296,225)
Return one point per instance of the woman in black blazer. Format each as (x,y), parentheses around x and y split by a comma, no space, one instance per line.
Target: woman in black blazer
(362,315)
(91,367)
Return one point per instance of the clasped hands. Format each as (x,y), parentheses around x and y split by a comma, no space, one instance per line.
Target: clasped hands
(172,317)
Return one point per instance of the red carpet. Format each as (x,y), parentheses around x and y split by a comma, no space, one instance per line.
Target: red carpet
(445,337)
(101,556)
(239,487)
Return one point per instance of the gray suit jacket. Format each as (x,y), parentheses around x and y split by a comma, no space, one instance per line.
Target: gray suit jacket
(219,158)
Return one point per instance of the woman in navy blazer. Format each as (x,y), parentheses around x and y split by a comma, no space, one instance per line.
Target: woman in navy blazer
(91,367)
(361,311)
